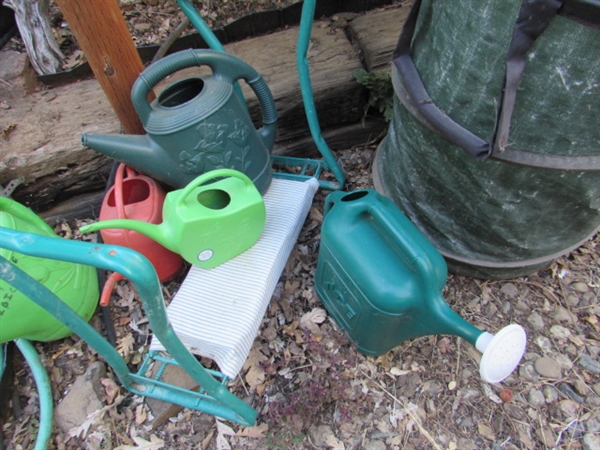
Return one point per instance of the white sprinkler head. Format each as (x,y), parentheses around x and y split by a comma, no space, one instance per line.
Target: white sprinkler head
(502,352)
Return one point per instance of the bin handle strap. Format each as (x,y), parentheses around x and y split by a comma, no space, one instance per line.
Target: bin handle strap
(533,19)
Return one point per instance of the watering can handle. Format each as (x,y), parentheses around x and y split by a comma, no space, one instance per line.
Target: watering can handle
(408,244)
(22,212)
(118,191)
(224,66)
(205,177)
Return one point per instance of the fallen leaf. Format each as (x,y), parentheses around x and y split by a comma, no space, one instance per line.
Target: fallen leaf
(142,444)
(255,376)
(111,388)
(255,432)
(312,319)
(140,414)
(334,443)
(125,345)
(222,431)
(486,432)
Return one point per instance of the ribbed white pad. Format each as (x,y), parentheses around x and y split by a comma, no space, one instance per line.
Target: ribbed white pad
(217,312)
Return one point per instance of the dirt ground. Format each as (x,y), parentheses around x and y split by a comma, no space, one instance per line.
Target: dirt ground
(313,389)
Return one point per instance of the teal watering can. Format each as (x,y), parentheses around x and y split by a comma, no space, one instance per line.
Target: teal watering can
(75,284)
(196,124)
(214,218)
(381,281)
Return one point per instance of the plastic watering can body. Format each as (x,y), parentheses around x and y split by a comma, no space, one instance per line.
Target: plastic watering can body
(138,197)
(74,284)
(216,217)
(381,281)
(196,124)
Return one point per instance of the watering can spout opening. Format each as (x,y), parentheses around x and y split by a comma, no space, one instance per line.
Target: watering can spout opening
(502,352)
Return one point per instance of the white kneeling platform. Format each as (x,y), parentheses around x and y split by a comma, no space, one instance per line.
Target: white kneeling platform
(217,312)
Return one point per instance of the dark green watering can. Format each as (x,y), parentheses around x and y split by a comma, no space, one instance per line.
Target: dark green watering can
(196,124)
(75,284)
(381,280)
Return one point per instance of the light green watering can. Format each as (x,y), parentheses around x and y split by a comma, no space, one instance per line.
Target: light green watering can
(75,284)
(214,218)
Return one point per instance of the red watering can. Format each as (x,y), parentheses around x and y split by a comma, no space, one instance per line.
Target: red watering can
(141,198)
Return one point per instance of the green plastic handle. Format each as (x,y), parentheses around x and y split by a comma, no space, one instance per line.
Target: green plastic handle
(223,65)
(205,177)
(22,212)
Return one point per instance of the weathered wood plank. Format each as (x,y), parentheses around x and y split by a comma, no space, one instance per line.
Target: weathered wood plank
(45,144)
(377,34)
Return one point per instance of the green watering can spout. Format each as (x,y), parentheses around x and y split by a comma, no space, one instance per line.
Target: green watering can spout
(127,148)
(158,233)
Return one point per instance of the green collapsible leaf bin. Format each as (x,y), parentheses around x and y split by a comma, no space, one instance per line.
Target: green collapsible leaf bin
(494,148)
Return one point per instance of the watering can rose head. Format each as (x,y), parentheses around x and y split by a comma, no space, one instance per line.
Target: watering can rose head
(214,218)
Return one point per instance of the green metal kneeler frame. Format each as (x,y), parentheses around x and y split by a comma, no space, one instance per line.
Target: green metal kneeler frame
(213,397)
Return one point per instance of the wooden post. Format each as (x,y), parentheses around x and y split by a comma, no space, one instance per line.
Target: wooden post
(101,32)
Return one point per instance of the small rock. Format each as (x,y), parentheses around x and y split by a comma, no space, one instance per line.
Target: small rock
(84,398)
(573,300)
(580,287)
(375,445)
(562,314)
(581,388)
(589,363)
(593,425)
(544,343)
(591,441)
(596,388)
(589,298)
(570,392)
(550,394)
(318,435)
(505,308)
(548,368)
(528,373)
(467,423)
(510,290)
(142,27)
(564,361)
(569,408)
(536,321)
(431,387)
(536,398)
(559,332)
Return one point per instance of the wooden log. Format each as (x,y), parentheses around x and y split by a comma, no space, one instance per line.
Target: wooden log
(102,34)
(376,35)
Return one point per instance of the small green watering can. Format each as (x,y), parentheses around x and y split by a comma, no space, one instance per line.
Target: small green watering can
(197,124)
(208,222)
(75,284)
(381,280)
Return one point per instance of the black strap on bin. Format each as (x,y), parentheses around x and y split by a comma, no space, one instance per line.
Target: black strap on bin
(534,17)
